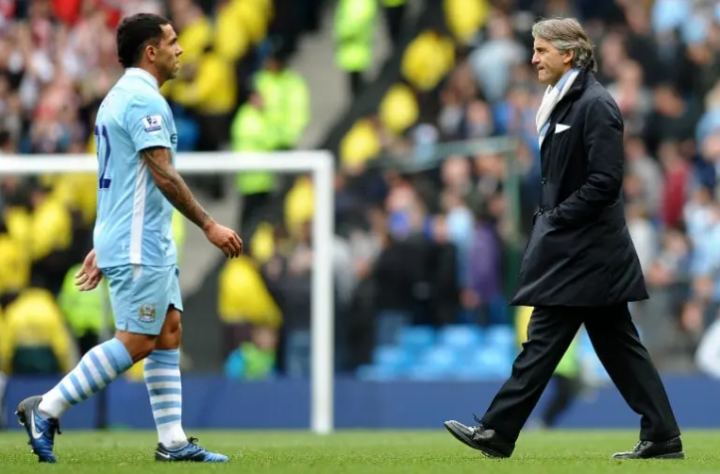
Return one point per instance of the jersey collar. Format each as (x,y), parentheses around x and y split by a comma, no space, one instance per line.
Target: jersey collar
(143,74)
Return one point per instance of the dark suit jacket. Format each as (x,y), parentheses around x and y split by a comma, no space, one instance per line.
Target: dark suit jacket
(580,252)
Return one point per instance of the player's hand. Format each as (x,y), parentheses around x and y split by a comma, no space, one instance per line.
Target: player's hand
(225,239)
(89,275)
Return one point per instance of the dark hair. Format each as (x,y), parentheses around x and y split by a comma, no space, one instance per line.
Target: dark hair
(135,32)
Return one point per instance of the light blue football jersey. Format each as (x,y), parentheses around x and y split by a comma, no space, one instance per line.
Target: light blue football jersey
(133,217)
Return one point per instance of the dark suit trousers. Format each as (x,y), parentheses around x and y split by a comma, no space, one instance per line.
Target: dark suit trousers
(617,344)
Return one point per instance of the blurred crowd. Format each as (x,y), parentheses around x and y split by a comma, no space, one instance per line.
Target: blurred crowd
(469,78)
(58,59)
(430,215)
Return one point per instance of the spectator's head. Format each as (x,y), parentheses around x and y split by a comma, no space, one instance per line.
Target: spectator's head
(462,84)
(150,42)
(702,195)
(499,28)
(264,337)
(256,100)
(417,215)
(490,165)
(669,154)
(479,120)
(631,74)
(377,219)
(449,97)
(613,53)
(280,234)
(455,171)
(714,215)
(519,97)
(561,44)
(184,13)
(439,229)
(635,148)
(496,206)
(710,147)
(668,101)
(275,62)
(38,195)
(675,241)
(632,187)
(637,18)
(401,199)
(522,76)
(452,199)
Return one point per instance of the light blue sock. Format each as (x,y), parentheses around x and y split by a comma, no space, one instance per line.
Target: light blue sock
(97,368)
(164,384)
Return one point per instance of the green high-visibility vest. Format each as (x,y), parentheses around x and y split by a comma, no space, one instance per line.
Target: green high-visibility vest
(83,309)
(354,29)
(250,132)
(569,365)
(286,106)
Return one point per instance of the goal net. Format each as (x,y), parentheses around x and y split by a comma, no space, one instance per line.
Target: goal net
(320,166)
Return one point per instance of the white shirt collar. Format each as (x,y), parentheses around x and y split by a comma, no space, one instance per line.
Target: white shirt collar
(142,73)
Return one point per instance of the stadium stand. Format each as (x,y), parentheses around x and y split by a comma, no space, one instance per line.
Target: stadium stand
(421,246)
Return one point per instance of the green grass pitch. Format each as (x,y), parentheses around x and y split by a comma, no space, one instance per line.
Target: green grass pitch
(358,452)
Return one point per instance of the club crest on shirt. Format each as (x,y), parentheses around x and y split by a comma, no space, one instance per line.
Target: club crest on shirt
(147,313)
(152,123)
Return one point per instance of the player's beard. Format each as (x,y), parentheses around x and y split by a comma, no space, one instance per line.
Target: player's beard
(174,70)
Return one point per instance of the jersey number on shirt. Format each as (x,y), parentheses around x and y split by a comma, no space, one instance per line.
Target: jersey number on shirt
(101,133)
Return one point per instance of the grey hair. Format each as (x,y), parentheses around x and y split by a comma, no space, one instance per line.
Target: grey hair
(566,34)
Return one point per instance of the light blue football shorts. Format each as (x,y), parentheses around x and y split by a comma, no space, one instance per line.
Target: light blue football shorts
(140,296)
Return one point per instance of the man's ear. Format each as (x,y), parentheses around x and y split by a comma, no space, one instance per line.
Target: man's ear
(568,57)
(150,52)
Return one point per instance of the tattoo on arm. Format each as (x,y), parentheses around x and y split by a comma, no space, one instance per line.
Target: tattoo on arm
(173,186)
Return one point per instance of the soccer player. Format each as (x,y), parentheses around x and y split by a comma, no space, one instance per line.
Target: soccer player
(134,248)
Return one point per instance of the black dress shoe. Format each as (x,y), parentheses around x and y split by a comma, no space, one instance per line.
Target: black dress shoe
(478,437)
(670,449)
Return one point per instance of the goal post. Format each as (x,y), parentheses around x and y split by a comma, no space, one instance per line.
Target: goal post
(320,164)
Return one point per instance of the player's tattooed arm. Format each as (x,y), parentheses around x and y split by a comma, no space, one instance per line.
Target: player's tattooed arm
(173,186)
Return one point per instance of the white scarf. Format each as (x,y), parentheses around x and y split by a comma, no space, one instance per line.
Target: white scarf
(552,96)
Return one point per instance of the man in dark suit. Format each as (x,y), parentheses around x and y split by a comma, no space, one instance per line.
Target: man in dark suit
(580,265)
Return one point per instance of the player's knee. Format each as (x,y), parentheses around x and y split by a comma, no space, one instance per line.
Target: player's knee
(171,334)
(144,351)
(139,346)
(171,338)
(173,325)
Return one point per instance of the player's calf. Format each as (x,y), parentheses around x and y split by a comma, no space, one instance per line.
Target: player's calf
(97,368)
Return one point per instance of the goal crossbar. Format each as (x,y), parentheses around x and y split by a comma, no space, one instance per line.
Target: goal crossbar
(320,165)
